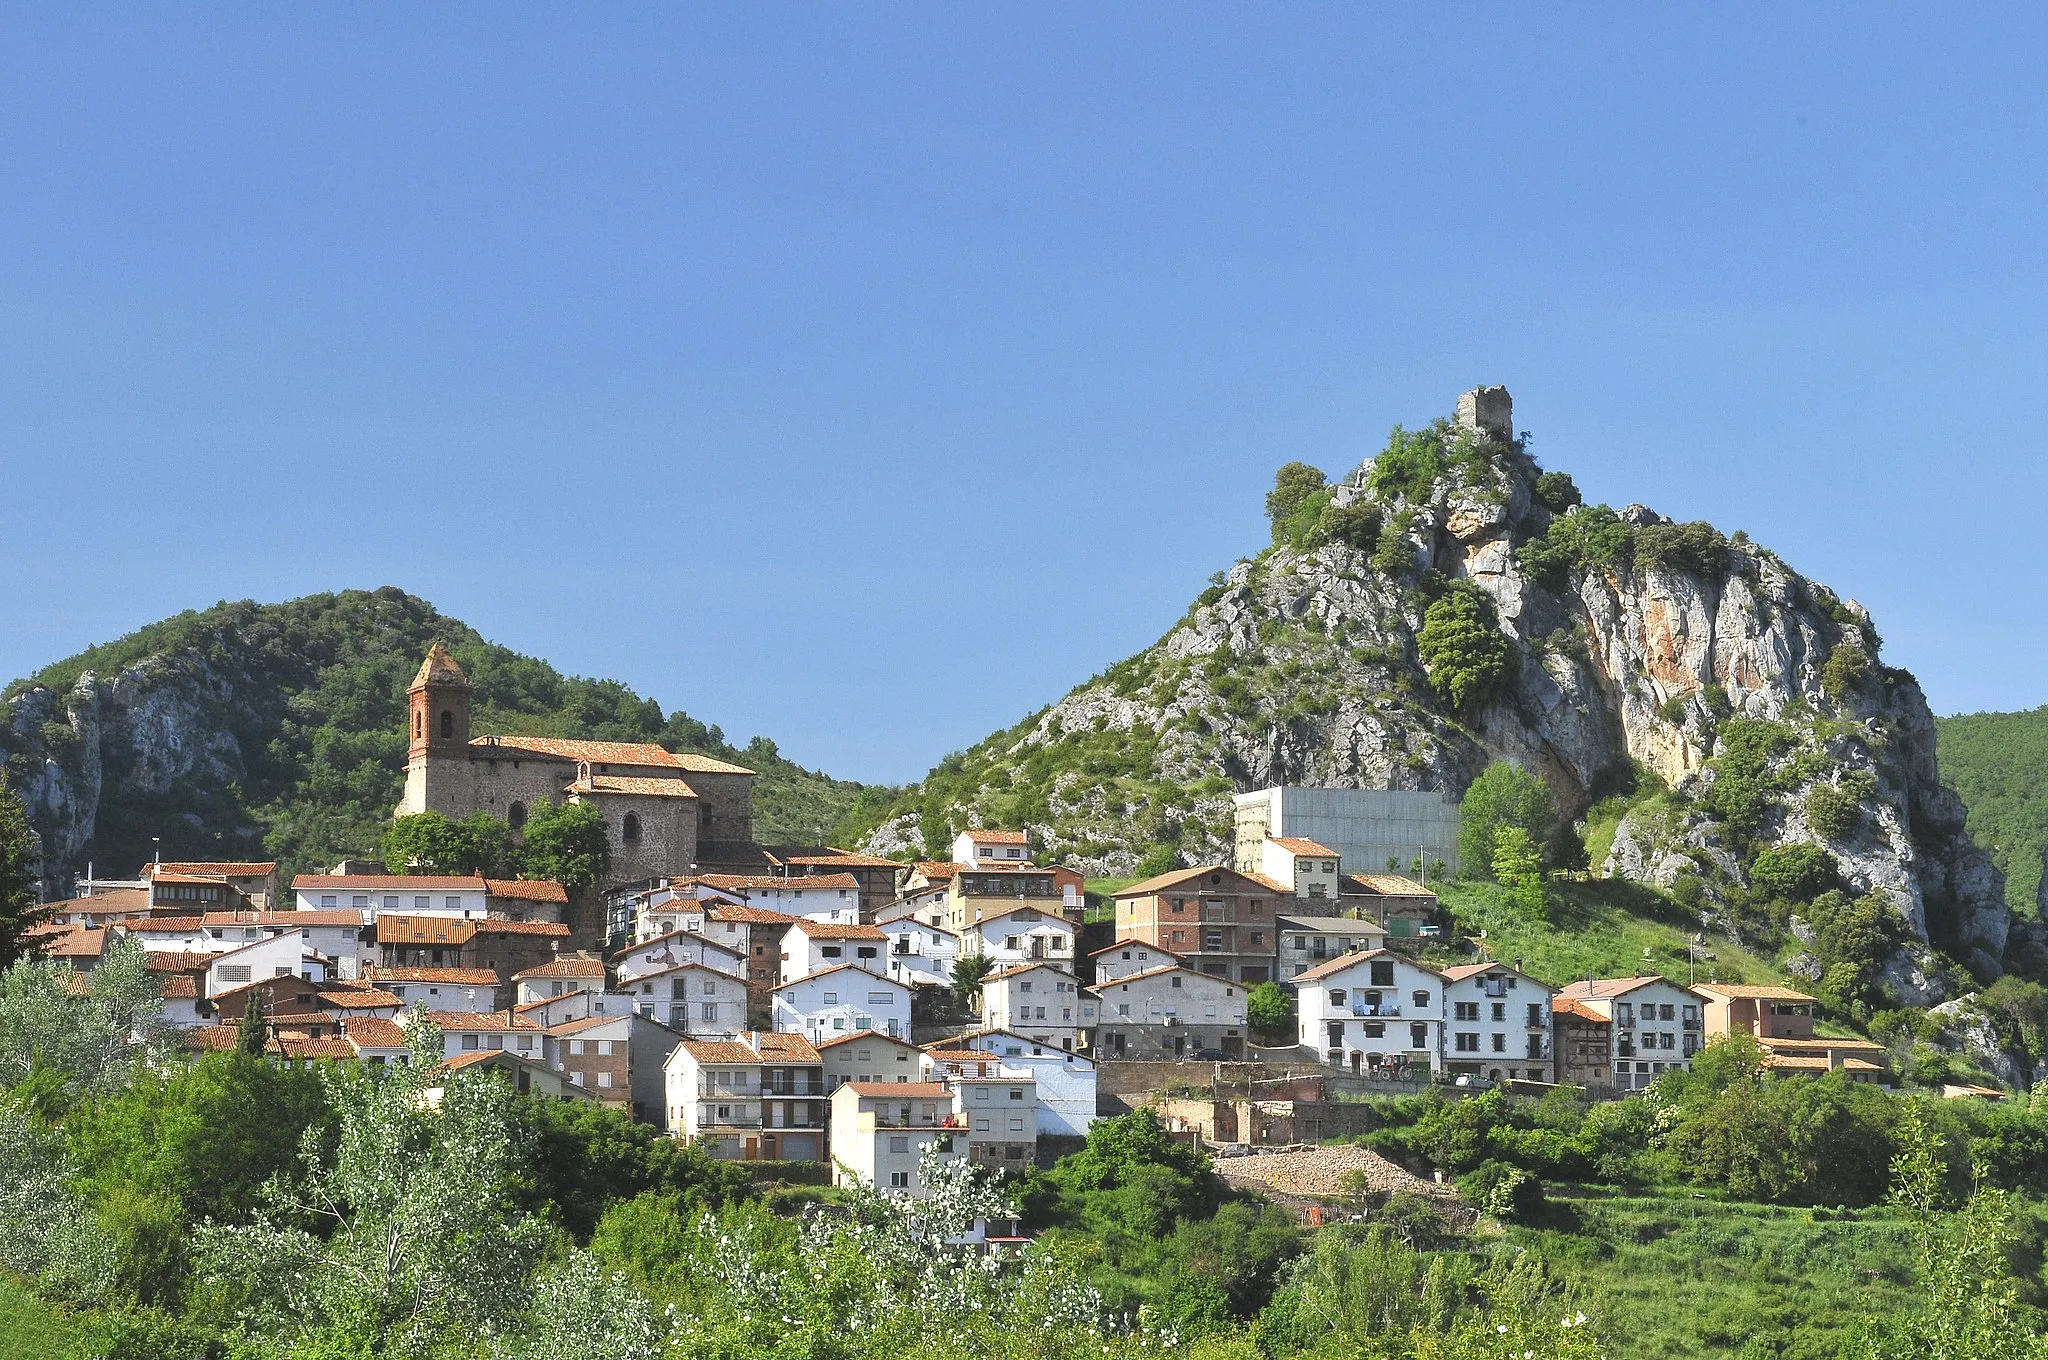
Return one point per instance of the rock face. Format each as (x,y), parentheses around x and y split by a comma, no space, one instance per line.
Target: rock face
(1635,647)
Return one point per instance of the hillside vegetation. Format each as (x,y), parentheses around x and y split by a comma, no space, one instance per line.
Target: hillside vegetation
(279,729)
(1998,762)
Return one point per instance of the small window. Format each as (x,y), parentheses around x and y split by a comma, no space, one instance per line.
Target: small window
(631,830)
(447,723)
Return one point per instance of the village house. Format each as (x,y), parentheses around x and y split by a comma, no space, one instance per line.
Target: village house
(1402,905)
(181,892)
(982,849)
(618,1058)
(1306,941)
(759,1096)
(920,955)
(550,1011)
(504,947)
(1656,1025)
(875,874)
(1496,1023)
(524,1075)
(266,957)
(1379,1013)
(880,1130)
(926,906)
(1125,957)
(691,999)
(1781,1022)
(759,933)
(1169,1013)
(1064,1080)
(471,990)
(976,893)
(1041,1000)
(675,949)
(998,1110)
(810,946)
(868,1056)
(1020,935)
(841,1000)
(472,1032)
(1221,921)
(818,897)
(458,897)
(1304,868)
(254,881)
(566,973)
(1583,1040)
(526,899)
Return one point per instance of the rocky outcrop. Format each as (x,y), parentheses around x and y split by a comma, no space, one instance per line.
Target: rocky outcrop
(1635,646)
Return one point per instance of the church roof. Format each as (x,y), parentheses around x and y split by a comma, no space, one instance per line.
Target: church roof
(439,669)
(611,753)
(640,786)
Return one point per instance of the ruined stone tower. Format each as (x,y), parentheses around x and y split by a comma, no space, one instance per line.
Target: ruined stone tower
(1490,410)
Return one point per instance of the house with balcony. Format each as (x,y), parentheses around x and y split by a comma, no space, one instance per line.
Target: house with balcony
(920,954)
(1781,1021)
(759,1096)
(1497,1023)
(1021,935)
(1041,1000)
(1221,921)
(880,1131)
(999,1112)
(1655,1025)
(1169,1013)
(450,896)
(1375,1014)
(1309,941)
(841,1000)
(978,892)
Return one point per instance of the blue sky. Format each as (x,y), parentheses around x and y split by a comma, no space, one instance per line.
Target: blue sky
(867,376)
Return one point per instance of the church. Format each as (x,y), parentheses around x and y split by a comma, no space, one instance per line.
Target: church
(668,814)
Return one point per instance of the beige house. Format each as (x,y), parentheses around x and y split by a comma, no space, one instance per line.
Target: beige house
(1306,868)
(881,1129)
(869,1056)
(1781,1020)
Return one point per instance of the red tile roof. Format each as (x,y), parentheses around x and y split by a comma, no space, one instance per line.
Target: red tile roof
(761,882)
(824,1044)
(180,987)
(1344,961)
(357,998)
(564,968)
(1029,968)
(1736,991)
(832,930)
(528,890)
(1176,877)
(176,961)
(607,753)
(851,859)
(998,837)
(1565,1005)
(905,1090)
(494,926)
(937,868)
(843,968)
(759,916)
(439,668)
(225,868)
(632,786)
(566,1027)
(285,920)
(80,943)
(1136,944)
(164,925)
(454,977)
(787,1048)
(488,1021)
(1388,885)
(720,1051)
(372,1031)
(1301,845)
(1599,989)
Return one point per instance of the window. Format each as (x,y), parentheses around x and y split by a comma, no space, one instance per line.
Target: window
(899,1180)
(1016,1094)
(576,1048)
(1500,1043)
(447,723)
(1176,980)
(1668,1012)
(879,998)
(981,1093)
(1418,1036)
(604,1048)
(1382,972)
(452,903)
(831,951)
(899,1142)
(391,903)
(1467,1010)
(418,903)
(469,1043)
(1465,1043)
(981,1123)
(1016,1125)
(1420,998)
(1374,1029)
(327,900)
(515,816)
(831,998)
(604,1079)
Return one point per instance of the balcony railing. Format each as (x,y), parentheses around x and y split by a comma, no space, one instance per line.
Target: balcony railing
(886,1121)
(1376,1012)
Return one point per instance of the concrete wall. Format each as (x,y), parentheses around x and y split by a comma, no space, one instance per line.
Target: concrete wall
(1364,826)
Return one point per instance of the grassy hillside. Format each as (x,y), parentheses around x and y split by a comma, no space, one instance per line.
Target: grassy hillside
(311,693)
(1998,762)
(31,1329)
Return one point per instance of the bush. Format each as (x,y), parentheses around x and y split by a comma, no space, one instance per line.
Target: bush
(1798,872)
(1696,548)
(1556,492)
(1743,784)
(1461,645)
(1846,671)
(1356,525)
(1269,1010)
(1409,465)
(1508,1193)
(1294,485)
(1588,536)
(1833,813)
(1503,796)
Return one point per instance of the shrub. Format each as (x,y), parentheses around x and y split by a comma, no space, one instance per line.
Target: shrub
(1269,1009)
(1587,536)
(1394,555)
(1696,547)
(1743,784)
(1463,648)
(1503,796)
(1409,465)
(1845,672)
(1356,525)
(1833,813)
(1555,491)
(1508,1193)
(1798,872)
(1293,486)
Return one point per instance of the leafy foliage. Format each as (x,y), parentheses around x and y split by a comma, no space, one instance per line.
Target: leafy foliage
(1557,492)
(1269,1010)
(1295,485)
(1461,644)
(566,842)
(1797,871)
(1998,762)
(1695,548)
(432,843)
(20,884)
(1745,780)
(1503,796)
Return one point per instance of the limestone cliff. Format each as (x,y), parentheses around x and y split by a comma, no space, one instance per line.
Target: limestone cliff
(1604,650)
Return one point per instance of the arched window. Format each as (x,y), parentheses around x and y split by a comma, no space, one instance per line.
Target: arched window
(515,816)
(419,724)
(447,723)
(631,830)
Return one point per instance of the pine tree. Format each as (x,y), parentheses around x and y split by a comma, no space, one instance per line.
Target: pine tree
(20,885)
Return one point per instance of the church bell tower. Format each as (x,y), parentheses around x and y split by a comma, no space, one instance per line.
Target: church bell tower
(439,703)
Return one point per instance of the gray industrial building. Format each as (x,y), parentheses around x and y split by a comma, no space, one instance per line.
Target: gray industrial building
(1367,827)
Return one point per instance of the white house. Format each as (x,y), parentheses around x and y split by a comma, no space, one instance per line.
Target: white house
(664,952)
(842,1000)
(1656,1024)
(463,897)
(1000,1114)
(1021,935)
(757,1096)
(473,991)
(920,954)
(691,999)
(881,1129)
(1496,1023)
(1040,1000)
(1306,868)
(269,956)
(1373,1012)
(1126,957)
(560,1010)
(472,1032)
(1168,1013)
(926,904)
(1306,941)
(832,898)
(1065,1080)
(569,974)
(666,910)
(810,946)
(865,1055)
(979,849)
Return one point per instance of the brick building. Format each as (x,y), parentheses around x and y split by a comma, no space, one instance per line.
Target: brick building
(1221,921)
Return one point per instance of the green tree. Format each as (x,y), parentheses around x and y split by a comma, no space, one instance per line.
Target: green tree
(1463,648)
(252,1035)
(582,1158)
(78,1034)
(1269,1009)
(1503,795)
(968,972)
(1795,872)
(1518,865)
(566,842)
(430,842)
(1294,486)
(20,883)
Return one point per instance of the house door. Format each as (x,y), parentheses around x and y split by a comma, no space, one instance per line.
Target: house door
(1180,1046)
(753,1149)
